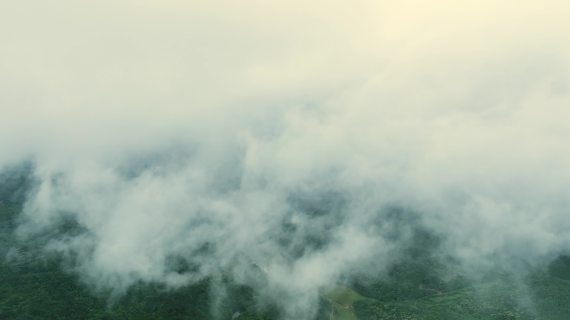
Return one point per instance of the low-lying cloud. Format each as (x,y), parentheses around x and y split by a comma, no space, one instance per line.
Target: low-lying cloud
(279,135)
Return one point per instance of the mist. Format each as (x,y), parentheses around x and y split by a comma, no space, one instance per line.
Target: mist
(273,141)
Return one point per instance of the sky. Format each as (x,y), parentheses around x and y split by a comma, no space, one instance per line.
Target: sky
(164,127)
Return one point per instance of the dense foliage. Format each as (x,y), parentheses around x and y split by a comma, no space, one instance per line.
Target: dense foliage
(423,285)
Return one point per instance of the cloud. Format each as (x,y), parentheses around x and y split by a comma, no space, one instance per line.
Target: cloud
(231,134)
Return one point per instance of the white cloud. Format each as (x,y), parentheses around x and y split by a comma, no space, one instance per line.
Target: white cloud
(163,126)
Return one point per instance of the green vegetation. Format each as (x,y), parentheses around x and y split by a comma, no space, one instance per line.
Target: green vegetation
(539,295)
(419,287)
